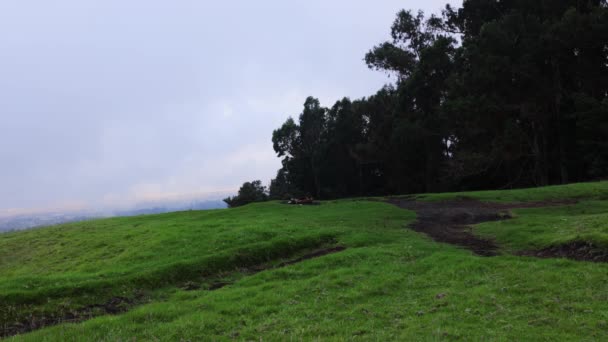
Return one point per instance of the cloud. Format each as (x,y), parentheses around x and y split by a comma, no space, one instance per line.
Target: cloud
(107,102)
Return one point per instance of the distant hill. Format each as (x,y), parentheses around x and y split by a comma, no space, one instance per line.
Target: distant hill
(171,207)
(20,222)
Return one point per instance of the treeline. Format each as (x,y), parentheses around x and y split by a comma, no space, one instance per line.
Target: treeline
(496,94)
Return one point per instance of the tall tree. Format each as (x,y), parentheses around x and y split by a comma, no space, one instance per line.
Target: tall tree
(497,93)
(422,59)
(300,145)
(520,63)
(343,135)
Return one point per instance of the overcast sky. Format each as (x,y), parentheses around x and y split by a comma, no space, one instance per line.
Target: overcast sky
(111,102)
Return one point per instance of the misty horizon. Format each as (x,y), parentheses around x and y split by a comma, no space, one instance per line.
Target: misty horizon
(108,104)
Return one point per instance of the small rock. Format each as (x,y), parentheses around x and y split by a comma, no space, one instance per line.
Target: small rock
(440,296)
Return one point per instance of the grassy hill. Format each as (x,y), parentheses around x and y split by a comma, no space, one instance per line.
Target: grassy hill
(272,271)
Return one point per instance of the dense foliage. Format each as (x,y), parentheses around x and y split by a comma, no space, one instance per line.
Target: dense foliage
(496,94)
(248,193)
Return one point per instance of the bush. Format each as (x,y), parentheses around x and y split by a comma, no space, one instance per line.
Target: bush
(248,193)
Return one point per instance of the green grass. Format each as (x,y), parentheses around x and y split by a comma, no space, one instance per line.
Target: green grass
(596,190)
(539,228)
(385,286)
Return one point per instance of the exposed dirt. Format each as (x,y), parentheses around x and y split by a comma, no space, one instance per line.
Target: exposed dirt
(218,285)
(315,254)
(113,306)
(117,305)
(450,221)
(577,250)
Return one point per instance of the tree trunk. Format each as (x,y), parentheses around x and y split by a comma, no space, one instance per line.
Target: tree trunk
(431,166)
(557,86)
(315,175)
(539,151)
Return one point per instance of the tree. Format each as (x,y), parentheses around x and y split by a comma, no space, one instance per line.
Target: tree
(423,61)
(248,193)
(342,136)
(521,69)
(301,146)
(281,187)
(495,94)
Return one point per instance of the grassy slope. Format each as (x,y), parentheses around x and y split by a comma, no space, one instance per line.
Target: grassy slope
(539,228)
(544,227)
(85,263)
(383,287)
(595,190)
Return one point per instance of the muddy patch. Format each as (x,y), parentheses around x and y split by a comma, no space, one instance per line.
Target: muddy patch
(577,250)
(451,221)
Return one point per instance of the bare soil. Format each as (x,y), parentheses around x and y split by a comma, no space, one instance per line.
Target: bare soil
(577,250)
(451,221)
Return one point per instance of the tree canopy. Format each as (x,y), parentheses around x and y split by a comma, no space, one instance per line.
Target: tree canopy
(248,193)
(495,94)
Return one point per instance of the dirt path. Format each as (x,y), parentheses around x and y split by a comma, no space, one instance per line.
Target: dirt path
(450,221)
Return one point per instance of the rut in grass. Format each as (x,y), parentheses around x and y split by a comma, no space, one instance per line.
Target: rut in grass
(118,305)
